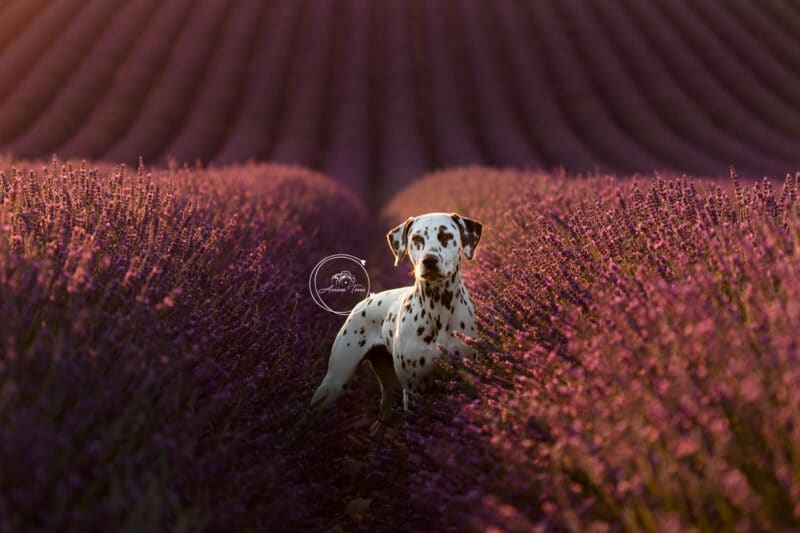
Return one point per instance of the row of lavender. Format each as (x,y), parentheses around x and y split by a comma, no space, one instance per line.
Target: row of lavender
(156,344)
(376,93)
(640,357)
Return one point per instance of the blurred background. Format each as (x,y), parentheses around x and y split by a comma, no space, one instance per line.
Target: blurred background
(377,92)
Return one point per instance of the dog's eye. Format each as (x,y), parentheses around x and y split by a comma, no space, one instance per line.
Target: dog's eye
(417,239)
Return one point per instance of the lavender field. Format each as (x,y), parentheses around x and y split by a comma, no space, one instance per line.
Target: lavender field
(637,365)
(636,169)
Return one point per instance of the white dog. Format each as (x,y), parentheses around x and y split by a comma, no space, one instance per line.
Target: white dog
(397,331)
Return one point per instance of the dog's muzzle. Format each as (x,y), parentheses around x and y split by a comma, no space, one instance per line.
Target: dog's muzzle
(430,268)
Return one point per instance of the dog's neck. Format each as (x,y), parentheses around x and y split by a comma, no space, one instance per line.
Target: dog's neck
(443,292)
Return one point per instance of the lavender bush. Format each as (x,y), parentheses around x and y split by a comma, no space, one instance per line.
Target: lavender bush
(639,355)
(157,341)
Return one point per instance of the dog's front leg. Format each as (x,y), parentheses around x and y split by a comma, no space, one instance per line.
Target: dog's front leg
(409,399)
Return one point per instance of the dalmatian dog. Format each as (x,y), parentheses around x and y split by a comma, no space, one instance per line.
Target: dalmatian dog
(399,331)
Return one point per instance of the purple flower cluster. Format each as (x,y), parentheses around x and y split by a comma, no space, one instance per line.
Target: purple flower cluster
(156,344)
(640,355)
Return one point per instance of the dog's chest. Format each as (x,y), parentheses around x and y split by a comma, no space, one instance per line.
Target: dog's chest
(417,331)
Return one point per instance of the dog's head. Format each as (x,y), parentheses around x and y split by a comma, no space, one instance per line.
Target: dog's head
(434,243)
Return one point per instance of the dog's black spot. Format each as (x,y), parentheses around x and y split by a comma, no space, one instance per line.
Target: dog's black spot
(403,364)
(428,339)
(413,374)
(390,333)
(457,353)
(432,305)
(362,331)
(415,318)
(404,319)
(462,325)
(422,313)
(379,303)
(362,342)
(447,298)
(344,333)
(414,363)
(419,331)
(348,344)
(444,236)
(422,361)
(447,327)
(438,323)
(363,313)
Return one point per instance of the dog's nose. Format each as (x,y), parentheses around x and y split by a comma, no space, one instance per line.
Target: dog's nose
(430,261)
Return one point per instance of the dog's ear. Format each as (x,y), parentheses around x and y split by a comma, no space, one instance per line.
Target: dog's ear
(470,233)
(398,240)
